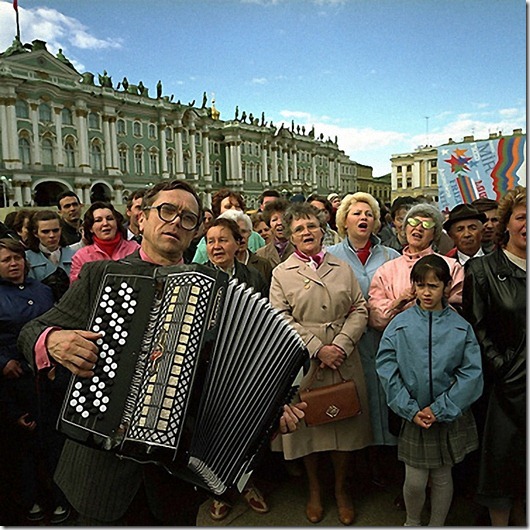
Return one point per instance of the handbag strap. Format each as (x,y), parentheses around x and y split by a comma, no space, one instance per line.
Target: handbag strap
(312,380)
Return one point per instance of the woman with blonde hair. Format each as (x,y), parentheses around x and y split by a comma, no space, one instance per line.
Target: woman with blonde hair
(358,222)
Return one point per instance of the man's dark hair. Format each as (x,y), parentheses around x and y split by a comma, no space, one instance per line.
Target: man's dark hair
(67,193)
(405,201)
(484,204)
(42,215)
(320,198)
(269,193)
(167,185)
(136,194)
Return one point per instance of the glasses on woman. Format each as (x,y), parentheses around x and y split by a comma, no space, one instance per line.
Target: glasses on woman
(169,212)
(301,228)
(414,221)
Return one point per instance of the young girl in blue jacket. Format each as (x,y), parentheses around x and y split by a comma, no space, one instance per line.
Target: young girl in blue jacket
(430,367)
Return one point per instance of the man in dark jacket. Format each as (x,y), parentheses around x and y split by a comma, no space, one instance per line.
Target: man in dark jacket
(101,486)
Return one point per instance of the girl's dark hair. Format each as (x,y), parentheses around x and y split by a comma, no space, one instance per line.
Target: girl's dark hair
(228,224)
(431,263)
(42,215)
(88,220)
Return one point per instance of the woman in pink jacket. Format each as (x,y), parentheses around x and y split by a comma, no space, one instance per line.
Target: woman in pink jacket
(105,235)
(391,290)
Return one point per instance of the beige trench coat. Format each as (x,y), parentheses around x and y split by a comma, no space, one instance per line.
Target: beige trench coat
(325,307)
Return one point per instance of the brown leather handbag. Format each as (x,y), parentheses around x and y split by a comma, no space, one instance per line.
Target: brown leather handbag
(330,403)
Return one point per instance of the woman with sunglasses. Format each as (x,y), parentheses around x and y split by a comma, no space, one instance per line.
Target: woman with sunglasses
(106,237)
(391,291)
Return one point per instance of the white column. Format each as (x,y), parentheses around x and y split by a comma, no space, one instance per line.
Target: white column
(114,143)
(36,155)
(6,141)
(107,143)
(264,172)
(285,165)
(331,183)
(179,153)
(82,132)
(17,188)
(26,193)
(193,153)
(274,152)
(86,194)
(206,153)
(79,192)
(295,167)
(163,148)
(314,171)
(239,169)
(12,128)
(59,154)
(228,156)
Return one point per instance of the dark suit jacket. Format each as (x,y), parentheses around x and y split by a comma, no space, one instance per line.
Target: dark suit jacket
(262,266)
(250,276)
(97,483)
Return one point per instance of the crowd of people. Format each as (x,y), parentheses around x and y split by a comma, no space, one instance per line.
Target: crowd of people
(426,312)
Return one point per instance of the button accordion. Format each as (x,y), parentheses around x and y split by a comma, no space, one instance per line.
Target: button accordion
(192,373)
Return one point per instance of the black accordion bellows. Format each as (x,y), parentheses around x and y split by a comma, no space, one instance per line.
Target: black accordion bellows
(193,371)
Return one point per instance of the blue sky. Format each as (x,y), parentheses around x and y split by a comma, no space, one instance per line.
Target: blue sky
(384,76)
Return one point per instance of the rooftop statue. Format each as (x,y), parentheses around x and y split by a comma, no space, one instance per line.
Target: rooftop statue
(204,100)
(142,90)
(60,55)
(87,78)
(236,116)
(104,80)
(16,47)
(125,84)
(159,89)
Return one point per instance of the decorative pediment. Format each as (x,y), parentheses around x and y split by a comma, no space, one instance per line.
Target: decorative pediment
(42,63)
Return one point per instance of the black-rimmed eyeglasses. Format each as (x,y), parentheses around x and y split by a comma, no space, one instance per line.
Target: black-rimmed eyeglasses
(168,213)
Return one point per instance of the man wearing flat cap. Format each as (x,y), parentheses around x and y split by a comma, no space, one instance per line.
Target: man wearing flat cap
(465,225)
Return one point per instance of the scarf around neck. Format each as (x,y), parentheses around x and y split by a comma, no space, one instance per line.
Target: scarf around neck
(108,246)
(313,261)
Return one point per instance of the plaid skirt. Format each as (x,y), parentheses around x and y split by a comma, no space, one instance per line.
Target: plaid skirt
(443,444)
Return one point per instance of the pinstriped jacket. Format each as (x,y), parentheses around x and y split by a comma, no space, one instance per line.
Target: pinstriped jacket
(97,483)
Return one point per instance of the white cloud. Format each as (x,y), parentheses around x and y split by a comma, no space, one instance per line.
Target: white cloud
(51,26)
(259,81)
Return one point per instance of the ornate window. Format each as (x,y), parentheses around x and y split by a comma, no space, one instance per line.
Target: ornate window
(45,113)
(217,172)
(198,165)
(153,162)
(169,134)
(122,155)
(170,159)
(139,160)
(216,148)
(137,129)
(24,150)
(69,151)
(152,131)
(121,127)
(93,121)
(21,109)
(47,152)
(66,116)
(95,157)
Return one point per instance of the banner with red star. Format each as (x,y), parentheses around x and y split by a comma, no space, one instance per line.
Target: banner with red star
(482,168)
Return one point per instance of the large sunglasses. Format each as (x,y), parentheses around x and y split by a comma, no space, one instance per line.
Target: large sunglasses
(428,225)
(168,213)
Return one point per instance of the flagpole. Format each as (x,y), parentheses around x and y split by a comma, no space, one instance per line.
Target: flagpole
(15,7)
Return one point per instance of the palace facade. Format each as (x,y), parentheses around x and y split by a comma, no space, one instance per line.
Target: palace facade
(60,129)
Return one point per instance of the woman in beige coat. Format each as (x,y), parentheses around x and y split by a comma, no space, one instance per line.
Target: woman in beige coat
(320,296)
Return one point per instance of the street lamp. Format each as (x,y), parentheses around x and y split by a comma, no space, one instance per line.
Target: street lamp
(4,190)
